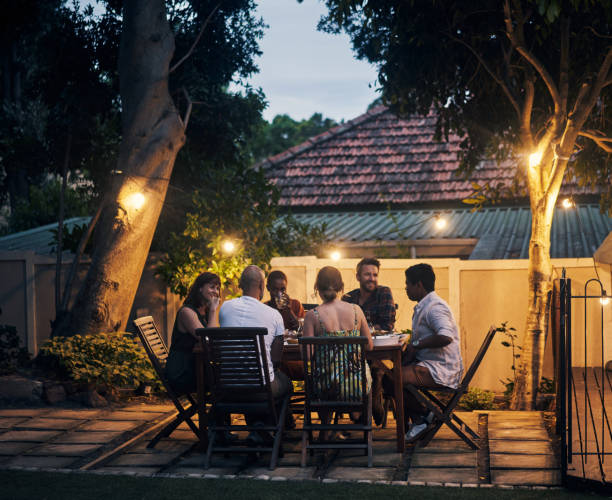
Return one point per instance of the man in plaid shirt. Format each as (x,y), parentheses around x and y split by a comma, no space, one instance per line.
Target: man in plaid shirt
(379,309)
(376,301)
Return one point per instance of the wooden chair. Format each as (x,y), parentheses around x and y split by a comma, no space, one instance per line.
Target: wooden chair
(323,358)
(444,411)
(240,384)
(158,353)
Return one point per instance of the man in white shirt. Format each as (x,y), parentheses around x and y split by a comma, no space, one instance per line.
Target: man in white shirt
(433,357)
(249,311)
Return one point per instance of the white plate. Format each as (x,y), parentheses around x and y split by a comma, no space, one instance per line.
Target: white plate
(382,340)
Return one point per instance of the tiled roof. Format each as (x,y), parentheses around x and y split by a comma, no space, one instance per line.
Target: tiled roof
(502,232)
(377,159)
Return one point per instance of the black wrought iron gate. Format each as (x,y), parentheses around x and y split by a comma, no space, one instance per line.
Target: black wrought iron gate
(584,387)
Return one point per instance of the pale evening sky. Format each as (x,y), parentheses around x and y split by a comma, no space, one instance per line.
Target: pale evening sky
(303,71)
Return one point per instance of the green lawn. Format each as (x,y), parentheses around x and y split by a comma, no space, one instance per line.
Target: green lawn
(43,485)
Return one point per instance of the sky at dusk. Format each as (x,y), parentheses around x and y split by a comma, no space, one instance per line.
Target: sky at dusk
(303,71)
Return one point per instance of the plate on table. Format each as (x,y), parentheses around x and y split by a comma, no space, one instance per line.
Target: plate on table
(383,340)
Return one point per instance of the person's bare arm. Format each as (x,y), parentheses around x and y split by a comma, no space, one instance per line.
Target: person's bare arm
(213,317)
(364,329)
(188,321)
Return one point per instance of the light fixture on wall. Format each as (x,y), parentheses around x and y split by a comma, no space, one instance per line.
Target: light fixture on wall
(604,300)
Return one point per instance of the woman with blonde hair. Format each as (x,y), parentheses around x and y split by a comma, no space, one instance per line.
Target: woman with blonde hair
(335,318)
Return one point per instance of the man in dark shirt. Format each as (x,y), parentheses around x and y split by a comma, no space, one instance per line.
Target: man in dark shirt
(379,309)
(290,309)
(376,301)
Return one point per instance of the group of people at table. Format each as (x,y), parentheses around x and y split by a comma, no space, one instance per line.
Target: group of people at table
(431,359)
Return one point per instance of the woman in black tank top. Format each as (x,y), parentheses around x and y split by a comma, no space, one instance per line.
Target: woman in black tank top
(199,310)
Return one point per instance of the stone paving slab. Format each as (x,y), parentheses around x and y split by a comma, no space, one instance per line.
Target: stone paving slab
(525,477)
(64,450)
(424,459)
(110,425)
(29,436)
(144,459)
(153,408)
(51,423)
(23,412)
(148,471)
(15,448)
(44,462)
(132,415)
(468,475)
(79,413)
(280,472)
(380,459)
(357,473)
(508,461)
(93,437)
(8,422)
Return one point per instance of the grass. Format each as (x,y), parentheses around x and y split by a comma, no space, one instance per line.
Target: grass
(18,485)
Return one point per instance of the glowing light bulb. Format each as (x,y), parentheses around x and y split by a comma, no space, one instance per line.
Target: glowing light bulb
(567,203)
(135,201)
(228,246)
(605,300)
(335,255)
(440,223)
(535,159)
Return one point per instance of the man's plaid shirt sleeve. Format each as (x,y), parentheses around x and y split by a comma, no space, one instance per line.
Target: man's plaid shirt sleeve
(386,309)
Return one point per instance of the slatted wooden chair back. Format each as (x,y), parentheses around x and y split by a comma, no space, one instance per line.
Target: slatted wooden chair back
(156,350)
(152,342)
(335,381)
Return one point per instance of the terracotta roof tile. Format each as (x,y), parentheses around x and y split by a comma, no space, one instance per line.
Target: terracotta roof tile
(378,158)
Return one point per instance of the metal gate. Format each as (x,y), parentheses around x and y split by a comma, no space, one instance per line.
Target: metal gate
(584,403)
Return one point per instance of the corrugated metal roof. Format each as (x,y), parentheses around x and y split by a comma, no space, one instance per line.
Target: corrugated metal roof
(38,239)
(503,232)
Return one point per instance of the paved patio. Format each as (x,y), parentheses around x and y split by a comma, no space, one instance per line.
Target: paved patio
(519,451)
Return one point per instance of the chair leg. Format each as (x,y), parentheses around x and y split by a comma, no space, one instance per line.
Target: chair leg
(304,448)
(278,433)
(383,424)
(166,431)
(209,451)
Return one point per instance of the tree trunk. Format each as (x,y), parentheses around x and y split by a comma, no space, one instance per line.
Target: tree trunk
(153,133)
(539,278)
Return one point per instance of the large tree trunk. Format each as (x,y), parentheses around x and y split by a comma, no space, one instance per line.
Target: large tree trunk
(153,133)
(531,361)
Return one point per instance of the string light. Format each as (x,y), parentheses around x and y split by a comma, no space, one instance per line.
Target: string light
(336,255)
(567,203)
(228,246)
(440,222)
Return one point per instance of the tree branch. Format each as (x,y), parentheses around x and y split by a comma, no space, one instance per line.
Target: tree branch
(517,40)
(498,80)
(600,140)
(564,64)
(193,46)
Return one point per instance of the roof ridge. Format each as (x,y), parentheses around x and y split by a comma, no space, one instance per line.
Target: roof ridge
(322,137)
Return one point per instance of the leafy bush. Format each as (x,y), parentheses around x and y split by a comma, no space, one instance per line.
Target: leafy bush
(11,355)
(477,399)
(102,361)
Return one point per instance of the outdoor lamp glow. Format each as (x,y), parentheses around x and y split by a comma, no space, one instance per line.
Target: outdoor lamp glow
(535,159)
(135,201)
(228,246)
(335,255)
(605,300)
(567,203)
(440,222)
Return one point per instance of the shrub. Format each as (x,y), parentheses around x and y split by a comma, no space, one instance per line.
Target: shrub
(102,361)
(477,399)
(11,355)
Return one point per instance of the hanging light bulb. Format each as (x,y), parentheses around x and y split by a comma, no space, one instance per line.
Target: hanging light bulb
(440,222)
(228,246)
(567,203)
(336,255)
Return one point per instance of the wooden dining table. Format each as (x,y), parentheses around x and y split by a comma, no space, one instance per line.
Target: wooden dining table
(291,352)
(393,353)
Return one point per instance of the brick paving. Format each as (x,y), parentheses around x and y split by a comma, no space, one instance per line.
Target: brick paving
(520,451)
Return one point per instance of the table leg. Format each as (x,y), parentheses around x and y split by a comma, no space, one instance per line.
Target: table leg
(399,399)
